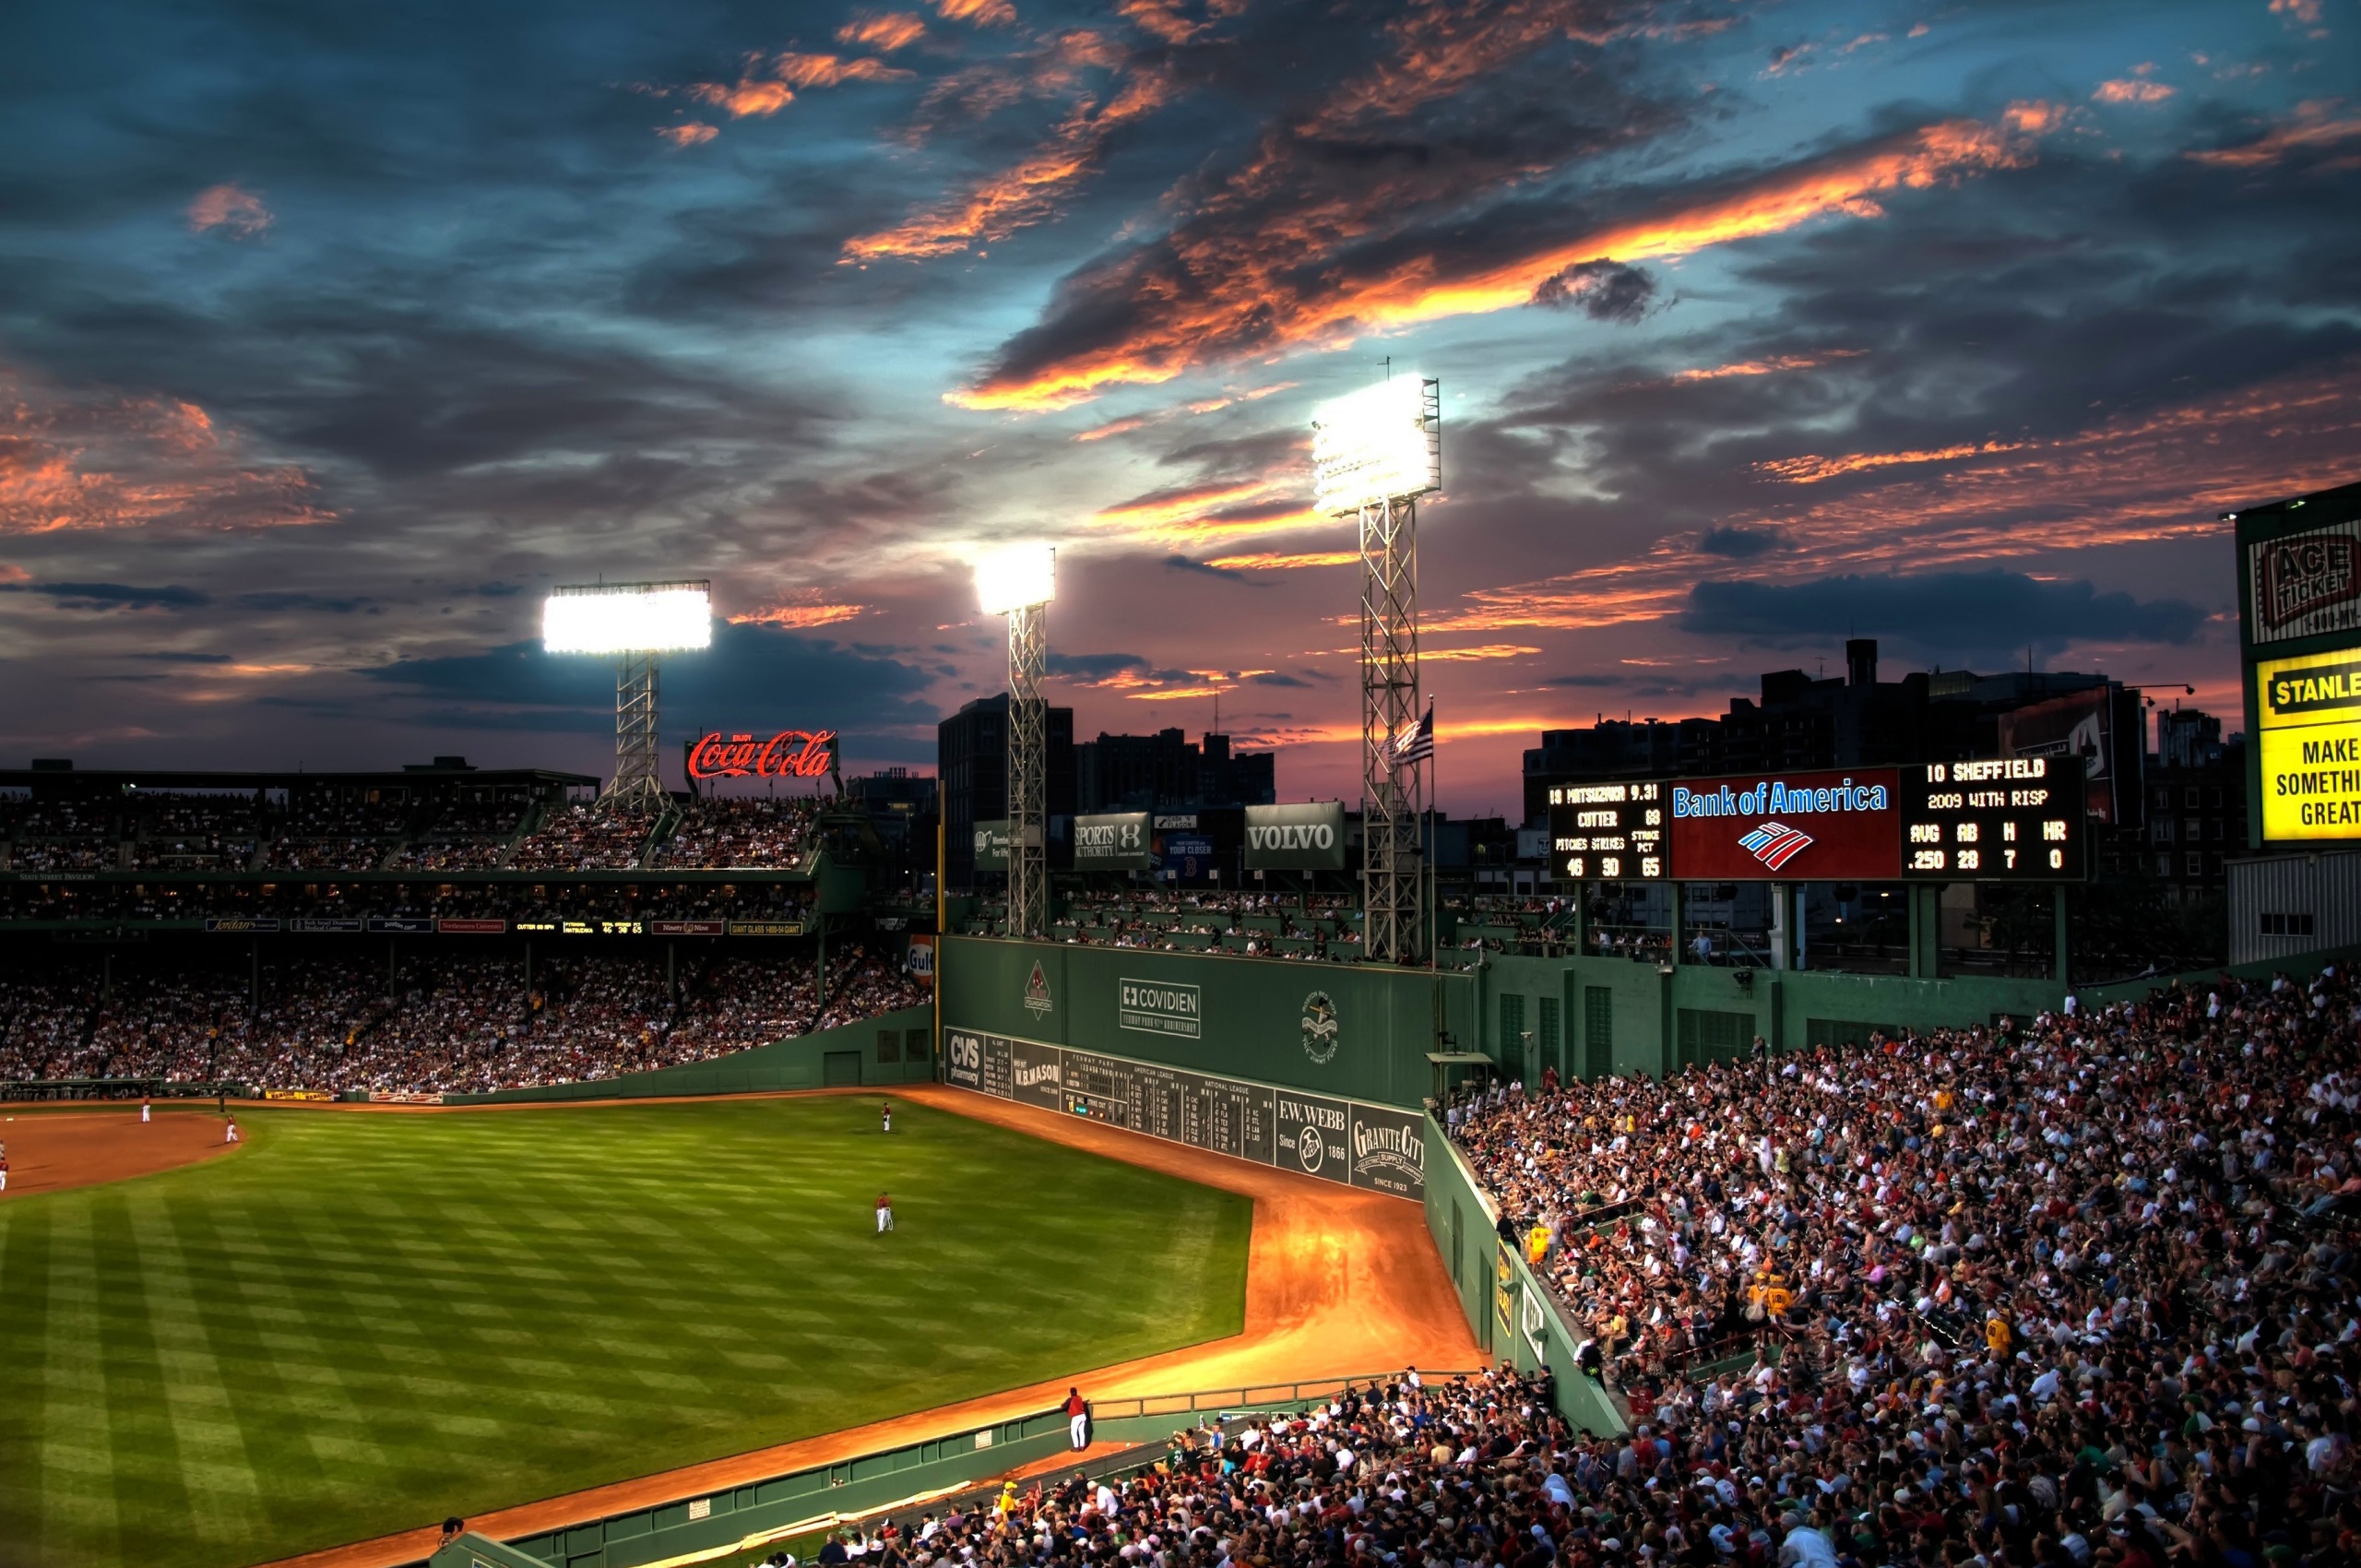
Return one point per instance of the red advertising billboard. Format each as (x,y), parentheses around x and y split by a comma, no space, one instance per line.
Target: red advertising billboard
(2101,726)
(1813,826)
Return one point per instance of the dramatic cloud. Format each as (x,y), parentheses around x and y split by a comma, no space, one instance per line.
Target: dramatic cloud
(1965,612)
(886,33)
(2317,127)
(234,210)
(1603,290)
(73,459)
(1208,292)
(114,596)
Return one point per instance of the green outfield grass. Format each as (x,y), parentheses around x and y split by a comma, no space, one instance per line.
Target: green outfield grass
(360,1324)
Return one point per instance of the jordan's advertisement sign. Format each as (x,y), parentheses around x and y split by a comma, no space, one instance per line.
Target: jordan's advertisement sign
(1812,827)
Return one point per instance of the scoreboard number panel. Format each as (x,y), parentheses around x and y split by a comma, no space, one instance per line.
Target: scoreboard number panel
(1608,832)
(2008,819)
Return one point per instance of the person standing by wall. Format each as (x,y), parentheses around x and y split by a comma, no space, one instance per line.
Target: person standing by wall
(1077,1420)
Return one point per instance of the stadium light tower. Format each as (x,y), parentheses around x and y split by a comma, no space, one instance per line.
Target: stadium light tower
(1019,582)
(1373,453)
(634,623)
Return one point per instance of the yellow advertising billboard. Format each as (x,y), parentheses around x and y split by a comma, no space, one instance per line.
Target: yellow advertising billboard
(2309,710)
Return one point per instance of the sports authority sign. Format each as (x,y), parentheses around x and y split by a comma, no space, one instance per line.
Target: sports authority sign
(1819,827)
(2304,584)
(1112,841)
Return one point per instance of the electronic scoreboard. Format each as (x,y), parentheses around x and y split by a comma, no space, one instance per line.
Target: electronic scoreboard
(2008,819)
(1608,832)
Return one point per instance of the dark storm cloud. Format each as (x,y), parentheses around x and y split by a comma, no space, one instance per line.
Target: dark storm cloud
(1737,544)
(114,596)
(1584,681)
(275,599)
(1276,678)
(741,674)
(1968,611)
(1603,290)
(1184,563)
(1093,666)
(174,658)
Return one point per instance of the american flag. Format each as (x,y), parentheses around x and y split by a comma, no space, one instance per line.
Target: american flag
(1415,741)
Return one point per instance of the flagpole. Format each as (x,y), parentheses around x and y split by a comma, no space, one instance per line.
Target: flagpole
(1434,861)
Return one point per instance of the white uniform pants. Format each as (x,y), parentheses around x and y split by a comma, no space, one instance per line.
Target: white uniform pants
(1077,1427)
(884,1220)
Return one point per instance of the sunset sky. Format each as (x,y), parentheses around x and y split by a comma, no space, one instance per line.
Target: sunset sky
(330,337)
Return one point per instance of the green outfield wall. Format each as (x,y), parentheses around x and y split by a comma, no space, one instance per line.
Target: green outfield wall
(1346,1030)
(892,1048)
(1513,1317)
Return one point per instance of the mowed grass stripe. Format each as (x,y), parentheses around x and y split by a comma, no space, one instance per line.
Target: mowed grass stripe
(362,1323)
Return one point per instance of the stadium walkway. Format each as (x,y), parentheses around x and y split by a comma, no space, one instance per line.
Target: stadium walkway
(1338,1283)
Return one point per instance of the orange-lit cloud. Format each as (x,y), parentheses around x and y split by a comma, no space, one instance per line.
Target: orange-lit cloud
(2317,124)
(2133,90)
(234,209)
(1232,296)
(807,71)
(2304,11)
(794,617)
(887,32)
(2159,476)
(983,13)
(1112,427)
(1192,517)
(1812,469)
(73,461)
(1471,655)
(1025,193)
(689,134)
(1277,562)
(1766,367)
(746,99)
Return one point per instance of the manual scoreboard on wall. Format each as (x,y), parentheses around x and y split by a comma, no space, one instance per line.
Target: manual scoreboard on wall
(1608,832)
(2008,819)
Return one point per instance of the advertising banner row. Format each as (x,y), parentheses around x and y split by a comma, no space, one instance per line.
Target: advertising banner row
(2011,819)
(1373,1147)
(1306,837)
(431,925)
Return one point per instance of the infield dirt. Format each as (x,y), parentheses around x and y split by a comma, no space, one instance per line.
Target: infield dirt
(51,1150)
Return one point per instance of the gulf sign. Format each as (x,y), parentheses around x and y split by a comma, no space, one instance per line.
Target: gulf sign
(790,754)
(1828,826)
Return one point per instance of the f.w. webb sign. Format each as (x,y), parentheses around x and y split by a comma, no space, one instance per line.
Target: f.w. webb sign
(1305,838)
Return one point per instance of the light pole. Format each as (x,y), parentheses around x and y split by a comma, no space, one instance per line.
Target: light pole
(1019,582)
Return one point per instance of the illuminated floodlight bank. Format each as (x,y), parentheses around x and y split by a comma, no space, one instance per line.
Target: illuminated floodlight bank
(1383,442)
(1015,575)
(627,618)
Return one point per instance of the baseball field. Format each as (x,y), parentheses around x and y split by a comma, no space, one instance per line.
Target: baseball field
(359,1323)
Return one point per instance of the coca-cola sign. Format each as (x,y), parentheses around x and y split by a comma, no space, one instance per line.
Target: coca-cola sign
(790,754)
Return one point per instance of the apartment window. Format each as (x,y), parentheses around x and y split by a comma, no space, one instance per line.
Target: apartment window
(2196,863)
(2164,864)
(2160,830)
(2217,799)
(2188,797)
(2192,831)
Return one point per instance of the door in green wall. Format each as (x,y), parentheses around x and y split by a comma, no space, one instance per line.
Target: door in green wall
(1599,1031)
(1512,1039)
(1553,1051)
(840,1068)
(1705,1035)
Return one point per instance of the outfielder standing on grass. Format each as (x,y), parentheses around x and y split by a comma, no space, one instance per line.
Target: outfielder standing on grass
(884,1212)
(886,1110)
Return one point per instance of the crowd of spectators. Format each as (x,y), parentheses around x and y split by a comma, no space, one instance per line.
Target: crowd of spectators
(720,833)
(426,1023)
(585,837)
(188,901)
(1307,927)
(1411,1473)
(2079,1292)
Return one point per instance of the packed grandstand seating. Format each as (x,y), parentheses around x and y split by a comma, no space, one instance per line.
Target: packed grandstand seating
(449,1021)
(1409,1472)
(1316,927)
(583,837)
(136,901)
(2083,1290)
(728,832)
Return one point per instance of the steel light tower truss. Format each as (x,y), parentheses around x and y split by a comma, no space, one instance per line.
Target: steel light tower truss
(636,786)
(1374,452)
(1028,771)
(1392,885)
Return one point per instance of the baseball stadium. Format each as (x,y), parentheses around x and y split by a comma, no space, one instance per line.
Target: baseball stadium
(577,991)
